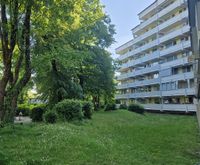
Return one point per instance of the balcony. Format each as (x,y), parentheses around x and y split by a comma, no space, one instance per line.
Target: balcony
(146,58)
(162,26)
(179,92)
(161,40)
(160,14)
(174,20)
(183,76)
(175,33)
(124,46)
(175,48)
(156,68)
(139,83)
(171,107)
(140,72)
(121,96)
(177,62)
(139,95)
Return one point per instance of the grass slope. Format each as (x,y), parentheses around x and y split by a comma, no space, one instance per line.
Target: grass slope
(111,138)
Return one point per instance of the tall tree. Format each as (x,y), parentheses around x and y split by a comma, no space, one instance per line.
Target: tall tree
(15,38)
(33,28)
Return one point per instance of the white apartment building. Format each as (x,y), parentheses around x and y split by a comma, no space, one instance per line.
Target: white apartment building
(156,69)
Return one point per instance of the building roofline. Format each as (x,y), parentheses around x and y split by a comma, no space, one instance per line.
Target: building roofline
(123,44)
(147,7)
(143,11)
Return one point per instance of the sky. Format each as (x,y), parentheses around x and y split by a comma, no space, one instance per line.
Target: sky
(124,15)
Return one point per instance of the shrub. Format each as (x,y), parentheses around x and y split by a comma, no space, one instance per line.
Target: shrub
(110,107)
(87,108)
(50,117)
(69,110)
(136,108)
(123,106)
(4,160)
(37,113)
(24,109)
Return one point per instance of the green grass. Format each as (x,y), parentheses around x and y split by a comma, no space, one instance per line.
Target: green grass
(111,138)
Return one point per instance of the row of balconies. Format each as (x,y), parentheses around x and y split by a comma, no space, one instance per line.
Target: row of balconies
(177,92)
(159,15)
(139,83)
(155,68)
(156,42)
(171,107)
(155,55)
(162,26)
(182,76)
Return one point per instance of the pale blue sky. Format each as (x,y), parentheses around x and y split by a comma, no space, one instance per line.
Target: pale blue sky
(124,14)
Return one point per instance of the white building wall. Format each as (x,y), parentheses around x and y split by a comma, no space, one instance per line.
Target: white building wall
(156,69)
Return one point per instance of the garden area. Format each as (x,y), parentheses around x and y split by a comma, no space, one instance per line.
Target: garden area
(112,137)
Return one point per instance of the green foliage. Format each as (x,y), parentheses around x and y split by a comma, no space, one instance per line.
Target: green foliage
(69,110)
(123,106)
(59,84)
(37,113)
(87,108)
(117,138)
(83,66)
(24,109)
(3,159)
(110,107)
(50,117)
(136,108)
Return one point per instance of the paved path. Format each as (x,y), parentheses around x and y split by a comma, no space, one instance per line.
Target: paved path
(23,120)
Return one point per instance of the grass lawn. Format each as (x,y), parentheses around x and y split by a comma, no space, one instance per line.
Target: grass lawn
(111,138)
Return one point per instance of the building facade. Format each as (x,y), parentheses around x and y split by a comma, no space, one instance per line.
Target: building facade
(156,66)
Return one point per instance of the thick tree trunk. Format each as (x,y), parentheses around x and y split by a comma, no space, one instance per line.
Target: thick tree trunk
(11,85)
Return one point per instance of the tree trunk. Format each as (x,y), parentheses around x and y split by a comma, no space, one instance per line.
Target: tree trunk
(11,85)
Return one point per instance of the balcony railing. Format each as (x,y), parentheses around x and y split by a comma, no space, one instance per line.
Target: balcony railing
(160,40)
(182,76)
(160,14)
(177,62)
(171,107)
(139,95)
(141,60)
(175,48)
(140,72)
(165,24)
(167,51)
(139,83)
(179,92)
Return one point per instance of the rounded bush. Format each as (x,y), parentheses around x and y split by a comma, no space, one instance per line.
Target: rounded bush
(69,110)
(87,108)
(123,106)
(110,107)
(136,108)
(37,113)
(50,117)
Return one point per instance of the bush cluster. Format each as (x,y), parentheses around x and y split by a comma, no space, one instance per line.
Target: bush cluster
(50,117)
(87,108)
(123,106)
(136,108)
(37,113)
(110,107)
(69,110)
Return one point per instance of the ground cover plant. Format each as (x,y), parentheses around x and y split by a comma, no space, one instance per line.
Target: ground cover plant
(110,138)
